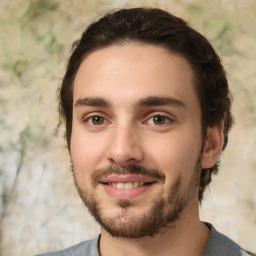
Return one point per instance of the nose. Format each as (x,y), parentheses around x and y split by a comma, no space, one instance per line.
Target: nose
(125,146)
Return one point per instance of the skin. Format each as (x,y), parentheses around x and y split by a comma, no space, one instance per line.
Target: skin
(125,132)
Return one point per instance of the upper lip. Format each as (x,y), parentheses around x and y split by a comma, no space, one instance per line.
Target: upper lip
(126,178)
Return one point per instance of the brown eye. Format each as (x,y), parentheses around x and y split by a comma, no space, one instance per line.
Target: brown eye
(159,120)
(96,120)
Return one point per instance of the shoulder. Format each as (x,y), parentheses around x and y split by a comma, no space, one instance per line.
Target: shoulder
(86,248)
(246,253)
(221,245)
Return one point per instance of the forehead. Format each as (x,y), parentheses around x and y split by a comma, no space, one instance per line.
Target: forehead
(132,71)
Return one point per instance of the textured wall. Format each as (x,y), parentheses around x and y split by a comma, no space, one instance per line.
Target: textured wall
(40,209)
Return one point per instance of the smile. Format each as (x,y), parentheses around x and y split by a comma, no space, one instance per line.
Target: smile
(127,185)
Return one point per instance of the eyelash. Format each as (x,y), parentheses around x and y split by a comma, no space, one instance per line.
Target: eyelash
(90,120)
(166,119)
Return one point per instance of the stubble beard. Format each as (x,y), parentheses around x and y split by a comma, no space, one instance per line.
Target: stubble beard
(163,214)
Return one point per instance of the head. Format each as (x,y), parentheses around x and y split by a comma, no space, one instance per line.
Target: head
(158,28)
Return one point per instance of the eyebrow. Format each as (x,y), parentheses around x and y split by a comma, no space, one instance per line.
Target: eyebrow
(92,102)
(159,101)
(150,101)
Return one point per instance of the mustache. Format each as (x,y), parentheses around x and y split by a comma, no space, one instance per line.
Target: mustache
(129,169)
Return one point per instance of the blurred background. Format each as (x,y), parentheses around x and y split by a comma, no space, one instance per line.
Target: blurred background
(39,206)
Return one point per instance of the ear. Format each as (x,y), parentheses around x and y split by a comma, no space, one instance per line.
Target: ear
(213,145)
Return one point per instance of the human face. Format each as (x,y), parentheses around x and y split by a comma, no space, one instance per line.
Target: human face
(136,138)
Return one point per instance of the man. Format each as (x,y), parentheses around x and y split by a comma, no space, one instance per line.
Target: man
(146,106)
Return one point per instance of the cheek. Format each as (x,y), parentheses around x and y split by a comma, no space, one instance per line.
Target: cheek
(175,153)
(86,150)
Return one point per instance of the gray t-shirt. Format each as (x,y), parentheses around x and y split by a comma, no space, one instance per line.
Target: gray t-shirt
(218,244)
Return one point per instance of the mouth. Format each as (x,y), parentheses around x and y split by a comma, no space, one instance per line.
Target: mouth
(126,186)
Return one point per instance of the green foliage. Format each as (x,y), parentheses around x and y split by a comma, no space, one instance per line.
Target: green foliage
(224,32)
(195,9)
(39,7)
(19,66)
(219,28)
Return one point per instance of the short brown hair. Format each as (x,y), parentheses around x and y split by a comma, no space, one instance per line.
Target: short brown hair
(157,27)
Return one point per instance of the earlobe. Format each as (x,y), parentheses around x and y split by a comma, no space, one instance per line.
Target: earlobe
(213,145)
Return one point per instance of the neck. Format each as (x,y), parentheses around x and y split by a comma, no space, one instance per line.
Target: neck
(189,236)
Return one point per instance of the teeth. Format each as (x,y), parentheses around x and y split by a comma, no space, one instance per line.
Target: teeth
(128,185)
(135,184)
(120,186)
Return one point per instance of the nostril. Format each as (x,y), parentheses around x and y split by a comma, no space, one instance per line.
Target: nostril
(124,149)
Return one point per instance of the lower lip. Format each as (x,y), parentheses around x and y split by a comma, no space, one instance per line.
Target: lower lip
(126,193)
